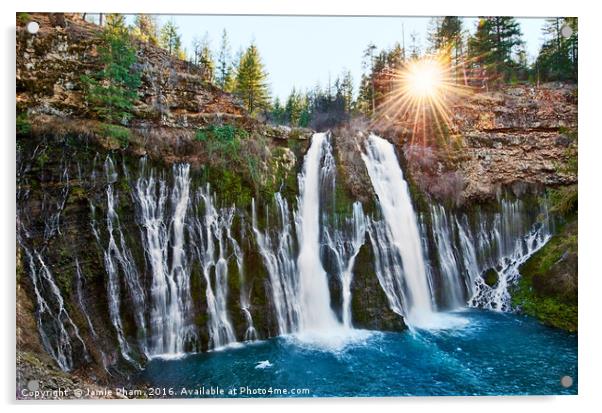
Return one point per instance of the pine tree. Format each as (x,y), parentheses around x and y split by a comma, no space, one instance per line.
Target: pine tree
(277,113)
(112,92)
(170,39)
(145,28)
(203,57)
(495,45)
(557,59)
(251,81)
(294,107)
(224,70)
(347,90)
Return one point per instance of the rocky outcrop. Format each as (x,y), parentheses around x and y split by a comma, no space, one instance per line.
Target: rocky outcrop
(516,137)
(51,62)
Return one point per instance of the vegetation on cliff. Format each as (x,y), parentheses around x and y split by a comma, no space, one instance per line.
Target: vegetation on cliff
(547,289)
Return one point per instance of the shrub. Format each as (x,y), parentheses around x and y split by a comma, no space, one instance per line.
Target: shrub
(120,133)
(23,125)
(23,18)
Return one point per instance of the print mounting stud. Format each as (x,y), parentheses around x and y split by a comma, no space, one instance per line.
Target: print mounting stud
(33,27)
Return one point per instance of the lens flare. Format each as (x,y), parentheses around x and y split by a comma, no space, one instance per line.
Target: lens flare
(424,78)
(418,96)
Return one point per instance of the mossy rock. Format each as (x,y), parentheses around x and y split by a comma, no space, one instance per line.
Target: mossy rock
(491,277)
(547,289)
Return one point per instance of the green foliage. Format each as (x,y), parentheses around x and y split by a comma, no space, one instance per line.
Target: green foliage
(495,45)
(223,140)
(251,81)
(23,125)
(224,66)
(23,18)
(557,59)
(203,57)
(537,294)
(564,200)
(170,39)
(120,133)
(112,92)
(145,28)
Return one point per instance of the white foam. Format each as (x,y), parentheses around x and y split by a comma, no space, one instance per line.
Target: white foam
(263,364)
(333,340)
(436,321)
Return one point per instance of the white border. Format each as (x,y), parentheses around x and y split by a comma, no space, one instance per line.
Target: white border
(589,157)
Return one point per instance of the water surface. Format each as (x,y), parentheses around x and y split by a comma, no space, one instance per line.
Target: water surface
(492,354)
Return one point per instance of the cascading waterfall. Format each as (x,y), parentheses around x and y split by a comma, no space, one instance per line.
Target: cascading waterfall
(113,259)
(345,246)
(245,292)
(119,259)
(185,234)
(505,244)
(58,332)
(409,291)
(443,233)
(162,233)
(79,283)
(316,314)
(212,228)
(279,260)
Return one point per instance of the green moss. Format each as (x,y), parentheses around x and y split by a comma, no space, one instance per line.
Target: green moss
(119,133)
(548,310)
(23,18)
(491,277)
(545,289)
(230,186)
(23,124)
(78,193)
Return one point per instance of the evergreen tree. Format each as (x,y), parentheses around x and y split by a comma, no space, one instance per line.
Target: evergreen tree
(112,92)
(203,57)
(145,28)
(346,86)
(495,45)
(251,81)
(224,70)
(277,114)
(294,107)
(170,39)
(557,59)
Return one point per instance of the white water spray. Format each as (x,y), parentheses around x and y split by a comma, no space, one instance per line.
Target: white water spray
(401,231)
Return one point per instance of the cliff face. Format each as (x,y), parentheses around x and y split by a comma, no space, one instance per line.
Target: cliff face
(516,137)
(51,62)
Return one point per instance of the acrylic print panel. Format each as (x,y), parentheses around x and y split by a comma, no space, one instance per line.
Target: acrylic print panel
(287,206)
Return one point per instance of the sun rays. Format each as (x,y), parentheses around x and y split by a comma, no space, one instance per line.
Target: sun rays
(420,95)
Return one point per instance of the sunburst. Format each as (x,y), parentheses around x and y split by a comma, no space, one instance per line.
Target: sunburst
(420,96)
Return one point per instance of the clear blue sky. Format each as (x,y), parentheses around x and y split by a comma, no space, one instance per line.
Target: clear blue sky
(302,50)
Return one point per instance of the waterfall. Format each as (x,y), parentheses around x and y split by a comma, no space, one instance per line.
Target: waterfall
(58,332)
(345,246)
(79,283)
(115,258)
(452,282)
(245,292)
(505,242)
(162,233)
(412,289)
(212,228)
(316,313)
(279,259)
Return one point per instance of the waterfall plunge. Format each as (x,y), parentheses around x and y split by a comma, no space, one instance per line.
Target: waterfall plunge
(401,270)
(316,313)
